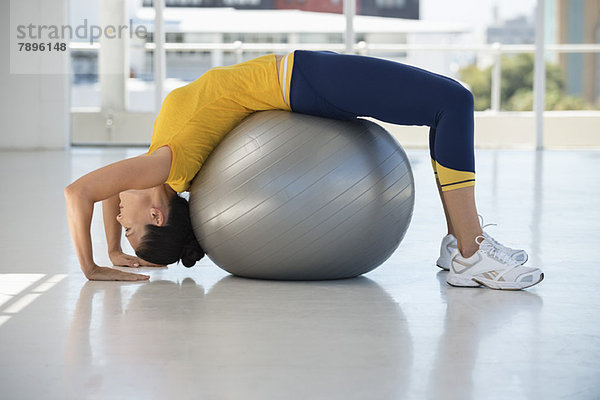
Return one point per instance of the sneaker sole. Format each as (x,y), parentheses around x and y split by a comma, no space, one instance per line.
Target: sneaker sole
(439,263)
(458,282)
(506,285)
(477,285)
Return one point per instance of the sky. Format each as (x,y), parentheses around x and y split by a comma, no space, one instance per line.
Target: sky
(475,13)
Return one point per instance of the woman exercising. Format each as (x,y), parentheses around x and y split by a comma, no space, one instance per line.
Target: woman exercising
(140,194)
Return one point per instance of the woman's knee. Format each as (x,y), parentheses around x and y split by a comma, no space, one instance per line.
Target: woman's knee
(462,98)
(458,104)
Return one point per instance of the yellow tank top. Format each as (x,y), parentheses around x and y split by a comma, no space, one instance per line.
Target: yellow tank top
(194,118)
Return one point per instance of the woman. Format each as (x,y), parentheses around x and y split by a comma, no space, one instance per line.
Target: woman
(140,194)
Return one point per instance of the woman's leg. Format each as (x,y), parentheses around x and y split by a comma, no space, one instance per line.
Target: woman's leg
(463,208)
(460,204)
(346,86)
(449,226)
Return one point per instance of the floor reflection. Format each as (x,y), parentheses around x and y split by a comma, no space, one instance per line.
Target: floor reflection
(473,317)
(270,338)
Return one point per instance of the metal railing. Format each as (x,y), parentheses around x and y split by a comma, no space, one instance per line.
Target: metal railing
(364,48)
(496,49)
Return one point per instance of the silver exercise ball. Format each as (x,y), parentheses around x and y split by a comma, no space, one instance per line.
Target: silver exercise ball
(298,197)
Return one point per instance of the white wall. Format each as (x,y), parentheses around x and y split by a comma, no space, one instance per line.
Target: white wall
(34,109)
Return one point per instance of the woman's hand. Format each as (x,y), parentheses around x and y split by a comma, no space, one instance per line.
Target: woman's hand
(118,258)
(113,274)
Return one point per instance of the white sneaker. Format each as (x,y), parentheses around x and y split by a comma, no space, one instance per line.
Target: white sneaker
(449,243)
(517,254)
(492,267)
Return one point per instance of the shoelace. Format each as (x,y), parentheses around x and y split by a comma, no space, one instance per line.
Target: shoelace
(491,239)
(481,219)
(494,251)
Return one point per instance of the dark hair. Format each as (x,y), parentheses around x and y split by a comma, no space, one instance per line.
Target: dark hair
(173,241)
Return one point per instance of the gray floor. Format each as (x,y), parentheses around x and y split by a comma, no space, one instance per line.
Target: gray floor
(399,332)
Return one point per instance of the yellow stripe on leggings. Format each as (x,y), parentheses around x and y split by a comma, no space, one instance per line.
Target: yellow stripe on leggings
(451,179)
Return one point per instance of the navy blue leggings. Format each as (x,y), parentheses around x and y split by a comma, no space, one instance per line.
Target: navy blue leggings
(345,86)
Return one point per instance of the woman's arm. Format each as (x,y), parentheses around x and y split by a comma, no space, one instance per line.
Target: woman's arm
(112,228)
(139,172)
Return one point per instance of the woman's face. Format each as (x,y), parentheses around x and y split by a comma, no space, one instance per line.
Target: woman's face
(136,212)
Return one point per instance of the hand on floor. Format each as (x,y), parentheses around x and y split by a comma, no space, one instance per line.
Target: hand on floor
(112,274)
